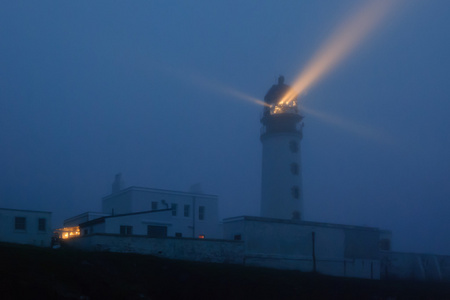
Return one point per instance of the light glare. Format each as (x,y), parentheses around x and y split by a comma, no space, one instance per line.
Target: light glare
(345,39)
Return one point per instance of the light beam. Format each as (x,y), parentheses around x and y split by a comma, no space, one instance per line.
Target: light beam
(340,44)
(213,85)
(353,127)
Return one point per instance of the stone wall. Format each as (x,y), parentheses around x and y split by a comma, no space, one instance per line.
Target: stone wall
(206,250)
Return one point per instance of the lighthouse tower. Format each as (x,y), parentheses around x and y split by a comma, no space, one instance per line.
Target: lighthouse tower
(281,133)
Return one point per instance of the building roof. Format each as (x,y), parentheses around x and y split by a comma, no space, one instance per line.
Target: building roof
(27,210)
(144,189)
(296,222)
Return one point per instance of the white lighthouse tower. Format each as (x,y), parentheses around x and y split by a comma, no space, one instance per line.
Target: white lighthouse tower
(281,133)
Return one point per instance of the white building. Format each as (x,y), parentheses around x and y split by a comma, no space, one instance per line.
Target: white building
(152,212)
(25,227)
(182,214)
(333,249)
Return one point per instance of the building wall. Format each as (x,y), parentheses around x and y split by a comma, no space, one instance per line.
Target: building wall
(278,198)
(31,234)
(135,199)
(118,203)
(176,225)
(205,250)
(289,245)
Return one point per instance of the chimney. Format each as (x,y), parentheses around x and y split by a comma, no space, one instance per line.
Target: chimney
(117,184)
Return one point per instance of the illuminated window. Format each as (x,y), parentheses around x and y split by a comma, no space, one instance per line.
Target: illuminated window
(126,230)
(154,205)
(201,236)
(295,192)
(293,145)
(174,209)
(187,209)
(20,223)
(42,224)
(294,168)
(201,212)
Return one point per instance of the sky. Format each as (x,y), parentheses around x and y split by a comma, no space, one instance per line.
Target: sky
(148,88)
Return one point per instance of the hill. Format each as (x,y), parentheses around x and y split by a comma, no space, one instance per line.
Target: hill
(29,272)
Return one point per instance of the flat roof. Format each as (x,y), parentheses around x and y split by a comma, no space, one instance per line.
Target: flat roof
(27,210)
(296,222)
(144,189)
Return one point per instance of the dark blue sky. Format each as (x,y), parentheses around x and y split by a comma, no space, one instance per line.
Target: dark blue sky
(91,89)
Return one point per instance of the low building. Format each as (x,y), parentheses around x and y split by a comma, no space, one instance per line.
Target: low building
(154,223)
(339,250)
(184,214)
(151,212)
(25,227)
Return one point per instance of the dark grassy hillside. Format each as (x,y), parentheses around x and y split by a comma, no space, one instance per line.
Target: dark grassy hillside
(35,273)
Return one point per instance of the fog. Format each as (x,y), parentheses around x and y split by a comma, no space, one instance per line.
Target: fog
(145,88)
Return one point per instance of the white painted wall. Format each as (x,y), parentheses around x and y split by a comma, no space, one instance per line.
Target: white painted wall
(136,199)
(340,250)
(277,200)
(205,250)
(31,234)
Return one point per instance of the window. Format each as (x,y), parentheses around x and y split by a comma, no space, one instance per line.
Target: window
(178,234)
(295,192)
(154,205)
(174,209)
(385,244)
(201,212)
(294,168)
(20,223)
(187,208)
(293,145)
(42,224)
(86,231)
(126,230)
(156,231)
(238,237)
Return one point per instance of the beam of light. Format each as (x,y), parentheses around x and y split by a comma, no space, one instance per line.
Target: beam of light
(213,85)
(355,128)
(223,89)
(340,44)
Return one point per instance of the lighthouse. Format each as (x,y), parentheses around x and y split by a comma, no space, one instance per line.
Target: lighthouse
(281,133)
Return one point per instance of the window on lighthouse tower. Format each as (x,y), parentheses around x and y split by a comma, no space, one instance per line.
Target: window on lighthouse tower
(294,168)
(293,146)
(295,192)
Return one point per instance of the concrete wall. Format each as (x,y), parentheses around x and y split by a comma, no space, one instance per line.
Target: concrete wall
(31,234)
(278,181)
(140,221)
(136,199)
(414,266)
(339,250)
(205,250)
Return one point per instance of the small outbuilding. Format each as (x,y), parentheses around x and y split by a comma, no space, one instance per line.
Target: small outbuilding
(25,227)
